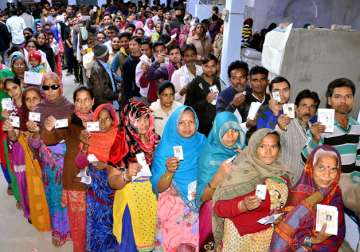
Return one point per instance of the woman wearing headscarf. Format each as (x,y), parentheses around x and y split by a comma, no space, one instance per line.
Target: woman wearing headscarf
(74,192)
(42,44)
(135,205)
(174,179)
(260,160)
(149,28)
(18,65)
(226,139)
(99,198)
(51,157)
(318,185)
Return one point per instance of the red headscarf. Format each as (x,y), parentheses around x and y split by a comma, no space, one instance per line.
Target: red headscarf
(101,142)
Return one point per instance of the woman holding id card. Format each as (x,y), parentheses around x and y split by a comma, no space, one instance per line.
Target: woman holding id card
(174,180)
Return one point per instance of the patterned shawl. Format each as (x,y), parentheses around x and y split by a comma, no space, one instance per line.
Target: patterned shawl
(300,221)
(128,143)
(247,172)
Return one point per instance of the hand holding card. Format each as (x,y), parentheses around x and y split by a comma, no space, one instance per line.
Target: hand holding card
(35,117)
(93,126)
(178,152)
(62,123)
(261,192)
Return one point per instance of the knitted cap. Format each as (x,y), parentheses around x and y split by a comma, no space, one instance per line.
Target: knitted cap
(100,51)
(35,55)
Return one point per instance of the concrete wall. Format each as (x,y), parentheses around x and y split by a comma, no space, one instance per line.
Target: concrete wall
(319,12)
(314,58)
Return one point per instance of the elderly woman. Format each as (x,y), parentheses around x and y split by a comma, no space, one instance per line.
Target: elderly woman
(74,192)
(133,152)
(318,185)
(174,179)
(260,160)
(51,156)
(226,139)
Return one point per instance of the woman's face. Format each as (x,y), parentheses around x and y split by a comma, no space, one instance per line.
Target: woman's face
(268,149)
(199,29)
(150,24)
(19,66)
(230,137)
(142,124)
(158,28)
(40,40)
(53,91)
(325,171)
(83,102)
(187,125)
(32,99)
(30,46)
(105,120)
(13,89)
(115,44)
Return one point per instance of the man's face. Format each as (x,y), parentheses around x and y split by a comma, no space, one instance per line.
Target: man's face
(159,50)
(100,38)
(305,110)
(134,47)
(52,12)
(111,33)
(238,79)
(124,42)
(175,56)
(139,33)
(258,83)
(107,20)
(146,49)
(342,100)
(284,91)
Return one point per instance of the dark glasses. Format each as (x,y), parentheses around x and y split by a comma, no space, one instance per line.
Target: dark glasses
(53,87)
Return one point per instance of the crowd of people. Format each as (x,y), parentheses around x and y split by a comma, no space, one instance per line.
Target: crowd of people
(155,152)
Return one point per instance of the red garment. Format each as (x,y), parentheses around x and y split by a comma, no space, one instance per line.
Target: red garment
(152,92)
(245,223)
(75,201)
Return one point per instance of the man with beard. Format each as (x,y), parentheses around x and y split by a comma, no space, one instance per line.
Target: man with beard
(294,130)
(345,139)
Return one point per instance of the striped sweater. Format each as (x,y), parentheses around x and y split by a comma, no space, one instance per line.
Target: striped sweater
(345,141)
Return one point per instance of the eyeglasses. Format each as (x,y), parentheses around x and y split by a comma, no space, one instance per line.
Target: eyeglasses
(53,87)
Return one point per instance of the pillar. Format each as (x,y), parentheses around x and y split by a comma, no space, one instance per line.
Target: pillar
(232,35)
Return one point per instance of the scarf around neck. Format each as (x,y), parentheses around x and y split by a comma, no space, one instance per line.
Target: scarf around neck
(247,172)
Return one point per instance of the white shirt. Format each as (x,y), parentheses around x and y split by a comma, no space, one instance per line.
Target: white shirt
(161,116)
(16,25)
(181,77)
(28,19)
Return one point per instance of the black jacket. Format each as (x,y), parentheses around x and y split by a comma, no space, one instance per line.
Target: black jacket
(198,89)
(5,37)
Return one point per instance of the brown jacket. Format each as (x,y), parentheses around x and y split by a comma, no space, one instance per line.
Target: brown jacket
(71,137)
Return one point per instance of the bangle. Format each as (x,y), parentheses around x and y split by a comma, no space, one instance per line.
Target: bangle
(168,177)
(307,242)
(124,177)
(211,188)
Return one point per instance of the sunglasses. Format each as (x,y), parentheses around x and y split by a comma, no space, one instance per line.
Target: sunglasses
(53,87)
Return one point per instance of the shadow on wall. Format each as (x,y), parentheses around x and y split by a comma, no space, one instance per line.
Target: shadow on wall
(322,13)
